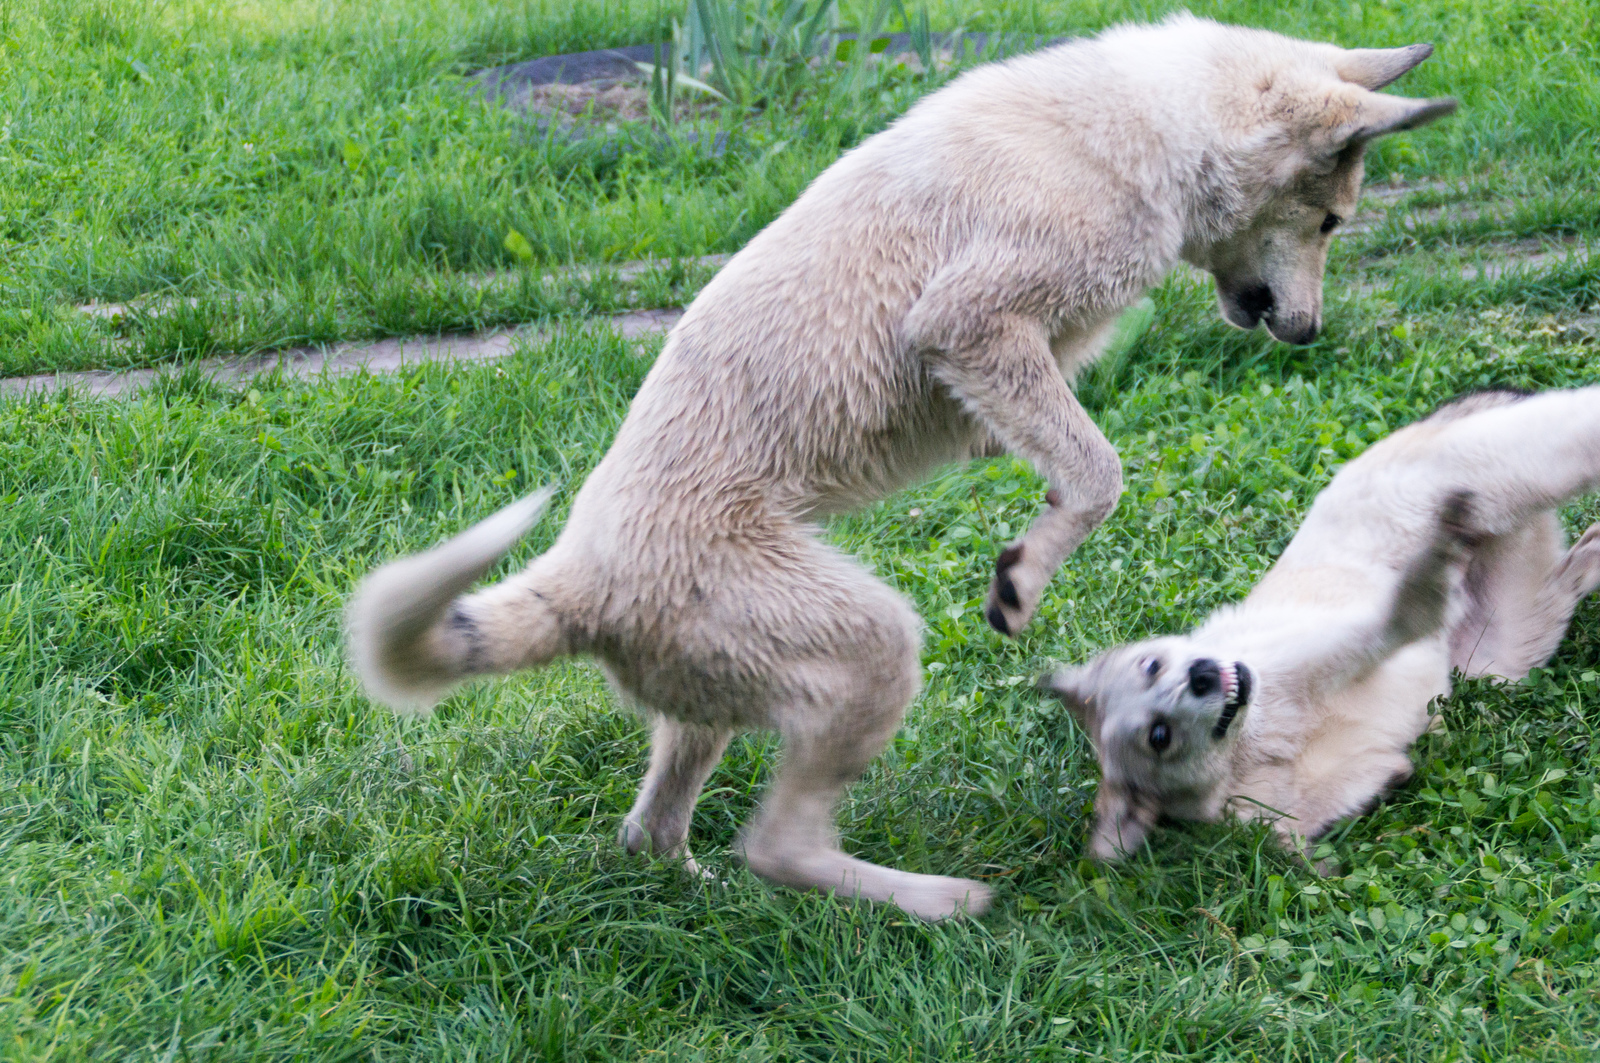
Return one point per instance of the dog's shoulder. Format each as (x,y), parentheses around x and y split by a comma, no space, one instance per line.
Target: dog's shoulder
(1471,402)
(1419,440)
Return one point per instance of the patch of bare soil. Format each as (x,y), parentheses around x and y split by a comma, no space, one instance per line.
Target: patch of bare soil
(617,101)
(578,108)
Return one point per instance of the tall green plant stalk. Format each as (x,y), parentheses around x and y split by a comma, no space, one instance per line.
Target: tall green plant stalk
(755,52)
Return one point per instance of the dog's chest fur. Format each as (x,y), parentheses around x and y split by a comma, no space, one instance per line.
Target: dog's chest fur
(1321,755)
(1317,751)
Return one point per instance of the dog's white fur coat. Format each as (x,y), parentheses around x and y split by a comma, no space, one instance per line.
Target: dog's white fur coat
(1353,632)
(924,301)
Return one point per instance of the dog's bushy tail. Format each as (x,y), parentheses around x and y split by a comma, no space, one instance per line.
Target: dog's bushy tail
(412,636)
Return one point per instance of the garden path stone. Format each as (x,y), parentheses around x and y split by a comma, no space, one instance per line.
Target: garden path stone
(156,305)
(397,353)
(1492,260)
(381,356)
(1530,254)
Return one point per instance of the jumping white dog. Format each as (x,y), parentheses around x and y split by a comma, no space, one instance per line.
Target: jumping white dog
(1437,548)
(924,301)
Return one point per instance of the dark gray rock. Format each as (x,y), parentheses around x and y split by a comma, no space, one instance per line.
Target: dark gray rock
(506,84)
(509,85)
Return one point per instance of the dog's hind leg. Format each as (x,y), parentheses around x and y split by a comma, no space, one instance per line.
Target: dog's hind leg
(1578,574)
(794,841)
(1418,608)
(843,654)
(682,757)
(1520,459)
(1523,592)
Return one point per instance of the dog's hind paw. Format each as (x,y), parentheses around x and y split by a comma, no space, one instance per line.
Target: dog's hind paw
(692,868)
(1578,573)
(633,837)
(939,898)
(636,841)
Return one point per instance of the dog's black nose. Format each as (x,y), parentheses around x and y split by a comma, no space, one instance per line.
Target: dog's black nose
(1257,301)
(1205,677)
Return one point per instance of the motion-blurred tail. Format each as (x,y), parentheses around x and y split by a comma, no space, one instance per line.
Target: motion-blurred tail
(412,636)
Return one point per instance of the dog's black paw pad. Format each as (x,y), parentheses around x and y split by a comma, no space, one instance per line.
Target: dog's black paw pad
(997,620)
(1006,591)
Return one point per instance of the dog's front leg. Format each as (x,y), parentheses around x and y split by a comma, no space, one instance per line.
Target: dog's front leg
(1002,370)
(1345,650)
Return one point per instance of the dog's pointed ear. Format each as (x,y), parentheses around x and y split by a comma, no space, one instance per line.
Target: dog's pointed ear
(1122,820)
(1071,688)
(1375,115)
(1373,68)
(1380,115)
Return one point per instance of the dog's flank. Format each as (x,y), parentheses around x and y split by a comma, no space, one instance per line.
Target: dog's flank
(923,302)
(1439,546)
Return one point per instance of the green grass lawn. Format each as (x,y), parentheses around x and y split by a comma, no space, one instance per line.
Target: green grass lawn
(315,170)
(212,847)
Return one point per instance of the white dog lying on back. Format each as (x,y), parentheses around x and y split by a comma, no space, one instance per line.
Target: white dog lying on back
(1437,548)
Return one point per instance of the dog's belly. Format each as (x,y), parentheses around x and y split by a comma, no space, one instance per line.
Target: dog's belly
(689,689)
(887,463)
(745,656)
(808,445)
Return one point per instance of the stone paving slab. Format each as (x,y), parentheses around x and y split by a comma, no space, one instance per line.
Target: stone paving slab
(157,305)
(1492,261)
(381,356)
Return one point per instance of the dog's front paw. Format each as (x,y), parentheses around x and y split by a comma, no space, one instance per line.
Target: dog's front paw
(1586,550)
(1014,594)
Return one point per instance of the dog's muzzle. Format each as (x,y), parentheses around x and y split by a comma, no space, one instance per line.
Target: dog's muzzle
(1255,303)
(1237,683)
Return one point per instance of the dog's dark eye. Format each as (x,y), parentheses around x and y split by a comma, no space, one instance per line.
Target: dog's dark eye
(1152,667)
(1160,737)
(1331,222)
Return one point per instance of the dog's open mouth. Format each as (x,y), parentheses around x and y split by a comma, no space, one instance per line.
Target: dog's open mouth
(1236,684)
